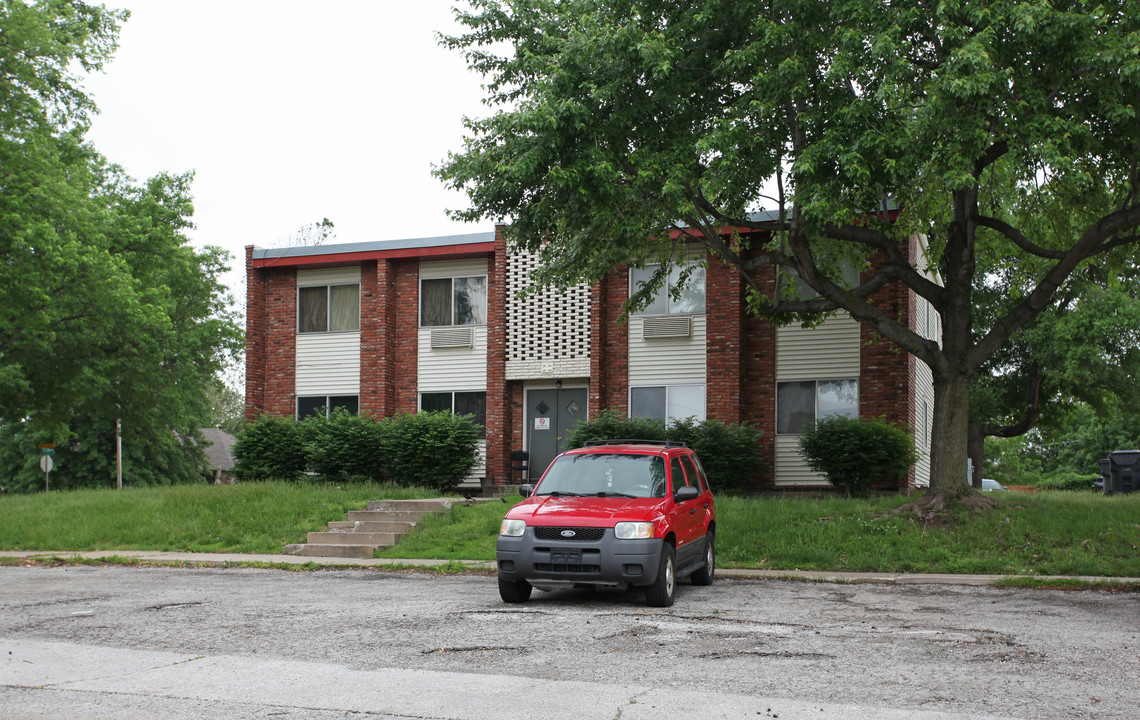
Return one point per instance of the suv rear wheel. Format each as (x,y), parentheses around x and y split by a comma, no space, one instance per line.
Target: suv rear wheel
(704,575)
(514,591)
(660,593)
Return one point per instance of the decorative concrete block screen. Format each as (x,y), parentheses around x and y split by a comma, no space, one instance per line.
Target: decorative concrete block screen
(548,333)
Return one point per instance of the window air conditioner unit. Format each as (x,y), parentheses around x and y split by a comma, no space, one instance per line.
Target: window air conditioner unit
(452,337)
(667,326)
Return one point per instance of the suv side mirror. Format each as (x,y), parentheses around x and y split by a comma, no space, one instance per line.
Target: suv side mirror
(686,493)
(526,490)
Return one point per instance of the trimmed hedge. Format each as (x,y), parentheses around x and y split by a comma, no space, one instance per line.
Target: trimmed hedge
(729,453)
(856,453)
(433,449)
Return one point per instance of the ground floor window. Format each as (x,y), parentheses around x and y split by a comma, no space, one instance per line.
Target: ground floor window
(324,405)
(799,404)
(462,402)
(667,403)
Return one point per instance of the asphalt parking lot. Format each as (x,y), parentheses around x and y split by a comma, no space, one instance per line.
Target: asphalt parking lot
(160,642)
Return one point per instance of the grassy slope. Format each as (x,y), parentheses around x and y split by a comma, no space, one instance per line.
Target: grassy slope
(1047,533)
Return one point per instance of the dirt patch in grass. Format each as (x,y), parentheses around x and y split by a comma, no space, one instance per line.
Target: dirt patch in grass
(936,512)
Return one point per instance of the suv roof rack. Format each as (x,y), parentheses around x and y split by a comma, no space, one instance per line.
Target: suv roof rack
(636,441)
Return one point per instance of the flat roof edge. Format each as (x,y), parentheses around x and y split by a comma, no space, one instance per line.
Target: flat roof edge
(374,246)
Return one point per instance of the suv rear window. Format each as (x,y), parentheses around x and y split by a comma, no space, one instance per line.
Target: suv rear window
(640,476)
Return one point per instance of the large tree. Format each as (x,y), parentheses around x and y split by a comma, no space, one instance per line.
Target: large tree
(619,122)
(107,312)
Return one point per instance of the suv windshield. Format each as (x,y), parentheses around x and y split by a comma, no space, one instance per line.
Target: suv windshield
(605,474)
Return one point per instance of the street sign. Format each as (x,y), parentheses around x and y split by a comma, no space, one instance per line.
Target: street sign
(45,463)
(46,451)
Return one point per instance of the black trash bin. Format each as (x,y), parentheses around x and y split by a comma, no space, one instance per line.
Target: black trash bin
(1121,472)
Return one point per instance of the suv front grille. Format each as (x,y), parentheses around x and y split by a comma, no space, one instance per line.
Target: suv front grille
(580,534)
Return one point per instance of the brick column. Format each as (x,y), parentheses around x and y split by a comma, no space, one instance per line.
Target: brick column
(499,411)
(377,303)
(280,342)
(886,372)
(404,343)
(724,344)
(255,326)
(609,344)
(758,383)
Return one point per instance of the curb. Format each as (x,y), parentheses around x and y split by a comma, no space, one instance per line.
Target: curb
(235,559)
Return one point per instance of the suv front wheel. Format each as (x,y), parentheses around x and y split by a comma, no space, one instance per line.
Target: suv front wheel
(514,591)
(660,593)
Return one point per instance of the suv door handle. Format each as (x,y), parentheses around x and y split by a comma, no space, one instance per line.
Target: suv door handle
(692,511)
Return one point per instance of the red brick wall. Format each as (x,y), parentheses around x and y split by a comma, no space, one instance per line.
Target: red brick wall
(405,343)
(279,396)
(609,345)
(500,415)
(758,402)
(255,338)
(376,337)
(725,343)
(887,373)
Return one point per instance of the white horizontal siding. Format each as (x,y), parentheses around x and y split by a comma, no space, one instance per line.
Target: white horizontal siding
(830,350)
(475,478)
(450,369)
(328,276)
(791,470)
(328,364)
(453,268)
(667,361)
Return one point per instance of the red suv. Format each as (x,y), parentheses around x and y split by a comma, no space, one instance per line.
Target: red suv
(614,514)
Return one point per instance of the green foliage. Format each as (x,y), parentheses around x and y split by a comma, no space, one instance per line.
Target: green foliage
(1004,130)
(856,453)
(270,448)
(1067,480)
(429,449)
(344,447)
(107,313)
(729,453)
(611,424)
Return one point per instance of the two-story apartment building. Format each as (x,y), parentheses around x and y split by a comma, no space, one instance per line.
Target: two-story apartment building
(438,324)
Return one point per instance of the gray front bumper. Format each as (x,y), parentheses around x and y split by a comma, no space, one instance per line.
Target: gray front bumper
(609,562)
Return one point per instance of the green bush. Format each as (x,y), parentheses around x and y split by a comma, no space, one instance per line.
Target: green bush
(1067,480)
(270,448)
(855,453)
(729,453)
(612,425)
(344,447)
(429,449)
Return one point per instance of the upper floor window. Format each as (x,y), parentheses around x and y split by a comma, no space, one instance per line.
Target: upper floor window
(328,308)
(453,301)
(690,297)
(799,404)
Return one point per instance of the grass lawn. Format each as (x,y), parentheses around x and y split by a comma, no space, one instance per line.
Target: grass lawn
(1050,533)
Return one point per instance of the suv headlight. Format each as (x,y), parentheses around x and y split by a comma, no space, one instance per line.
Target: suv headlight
(512,528)
(633,530)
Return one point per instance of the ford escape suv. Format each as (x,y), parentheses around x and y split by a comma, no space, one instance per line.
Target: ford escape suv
(614,514)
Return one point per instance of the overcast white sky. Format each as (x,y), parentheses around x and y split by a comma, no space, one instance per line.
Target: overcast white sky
(290,112)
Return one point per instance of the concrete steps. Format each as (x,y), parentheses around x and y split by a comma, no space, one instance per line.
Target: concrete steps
(382,525)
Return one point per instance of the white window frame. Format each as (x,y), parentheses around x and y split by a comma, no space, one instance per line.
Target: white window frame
(663,293)
(452,279)
(815,407)
(328,308)
(670,419)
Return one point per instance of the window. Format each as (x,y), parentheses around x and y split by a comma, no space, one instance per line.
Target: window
(453,301)
(792,286)
(667,403)
(798,404)
(328,308)
(691,472)
(324,405)
(460,403)
(691,298)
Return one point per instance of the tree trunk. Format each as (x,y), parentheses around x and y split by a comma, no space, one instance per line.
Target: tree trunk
(948,450)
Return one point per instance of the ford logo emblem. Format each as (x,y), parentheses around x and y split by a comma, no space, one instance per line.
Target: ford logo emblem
(568,533)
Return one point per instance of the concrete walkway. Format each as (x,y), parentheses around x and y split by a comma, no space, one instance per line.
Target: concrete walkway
(237,559)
